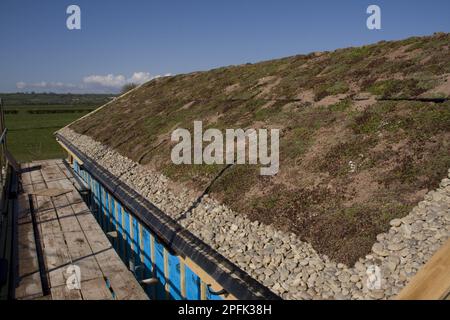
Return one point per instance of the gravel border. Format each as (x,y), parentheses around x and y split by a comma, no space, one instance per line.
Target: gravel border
(289,267)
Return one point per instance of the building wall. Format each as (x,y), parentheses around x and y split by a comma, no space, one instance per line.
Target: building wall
(141,251)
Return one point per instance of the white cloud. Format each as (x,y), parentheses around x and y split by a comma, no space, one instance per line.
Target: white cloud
(94,83)
(109,80)
(140,77)
(46,85)
(21,85)
(117,81)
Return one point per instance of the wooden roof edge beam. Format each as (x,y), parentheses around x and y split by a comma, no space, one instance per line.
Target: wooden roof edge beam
(69,152)
(432,281)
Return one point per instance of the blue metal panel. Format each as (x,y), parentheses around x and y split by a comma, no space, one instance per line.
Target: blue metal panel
(127,238)
(147,260)
(192,285)
(91,185)
(76,167)
(106,210)
(96,201)
(101,210)
(137,249)
(174,277)
(119,241)
(94,198)
(112,210)
(149,268)
(159,271)
(112,213)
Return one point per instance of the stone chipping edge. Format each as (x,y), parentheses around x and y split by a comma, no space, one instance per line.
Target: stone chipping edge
(280,261)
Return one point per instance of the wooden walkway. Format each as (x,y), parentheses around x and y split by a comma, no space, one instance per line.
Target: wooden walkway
(70,238)
(432,281)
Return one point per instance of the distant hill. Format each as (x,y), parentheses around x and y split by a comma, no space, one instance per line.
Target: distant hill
(20,99)
(365,132)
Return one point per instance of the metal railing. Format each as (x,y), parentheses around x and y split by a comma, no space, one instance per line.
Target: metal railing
(8,215)
(3,160)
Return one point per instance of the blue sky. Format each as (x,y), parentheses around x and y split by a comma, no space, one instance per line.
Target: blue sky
(150,38)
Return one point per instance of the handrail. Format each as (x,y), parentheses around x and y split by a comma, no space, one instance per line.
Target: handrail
(3,136)
(8,223)
(3,149)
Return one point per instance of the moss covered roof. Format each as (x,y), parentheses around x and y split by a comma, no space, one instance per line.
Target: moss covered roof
(358,145)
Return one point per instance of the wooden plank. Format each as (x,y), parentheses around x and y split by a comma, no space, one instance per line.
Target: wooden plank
(50,192)
(74,196)
(182,279)
(85,218)
(26,176)
(36,176)
(64,293)
(47,297)
(205,277)
(95,289)
(57,258)
(29,283)
(67,219)
(432,281)
(51,173)
(47,218)
(28,188)
(122,281)
(89,268)
(97,241)
(126,290)
(69,152)
(29,287)
(55,254)
(26,244)
(47,162)
(77,244)
(202,290)
(70,235)
(64,169)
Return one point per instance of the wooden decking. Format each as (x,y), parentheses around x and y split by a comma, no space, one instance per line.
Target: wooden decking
(69,236)
(432,282)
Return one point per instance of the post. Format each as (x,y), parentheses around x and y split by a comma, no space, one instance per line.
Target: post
(3,142)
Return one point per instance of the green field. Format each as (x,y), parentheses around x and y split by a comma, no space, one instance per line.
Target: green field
(30,129)
(32,118)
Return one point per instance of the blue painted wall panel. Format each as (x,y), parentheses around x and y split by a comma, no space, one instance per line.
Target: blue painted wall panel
(192,285)
(137,249)
(127,238)
(174,277)
(119,247)
(159,271)
(107,213)
(112,214)
(104,210)
(148,273)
